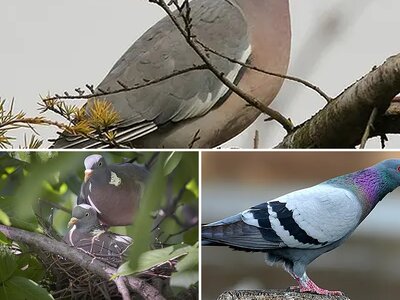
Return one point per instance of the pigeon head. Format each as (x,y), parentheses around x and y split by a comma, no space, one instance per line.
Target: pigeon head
(92,163)
(390,173)
(84,217)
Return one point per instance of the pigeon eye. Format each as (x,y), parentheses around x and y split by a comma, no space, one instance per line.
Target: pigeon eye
(100,164)
(87,214)
(398,168)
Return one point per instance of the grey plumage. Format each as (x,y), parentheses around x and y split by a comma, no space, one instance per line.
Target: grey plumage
(298,227)
(168,114)
(88,235)
(113,190)
(163,50)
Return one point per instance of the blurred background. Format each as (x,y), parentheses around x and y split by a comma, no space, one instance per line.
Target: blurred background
(367,266)
(56,46)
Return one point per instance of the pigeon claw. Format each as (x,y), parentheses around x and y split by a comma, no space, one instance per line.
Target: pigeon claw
(320,291)
(310,287)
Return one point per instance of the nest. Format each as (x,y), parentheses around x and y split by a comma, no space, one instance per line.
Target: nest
(67,280)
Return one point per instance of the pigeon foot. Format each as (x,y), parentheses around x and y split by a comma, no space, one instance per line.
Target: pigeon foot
(310,287)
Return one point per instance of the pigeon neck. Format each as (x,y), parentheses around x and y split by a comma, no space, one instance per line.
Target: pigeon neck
(88,227)
(369,184)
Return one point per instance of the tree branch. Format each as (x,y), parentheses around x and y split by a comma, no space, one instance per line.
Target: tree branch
(342,122)
(255,68)
(82,259)
(277,116)
(124,88)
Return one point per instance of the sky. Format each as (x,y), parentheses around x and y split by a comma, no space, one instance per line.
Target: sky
(55,46)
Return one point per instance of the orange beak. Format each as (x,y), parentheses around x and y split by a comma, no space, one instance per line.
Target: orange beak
(72,222)
(88,173)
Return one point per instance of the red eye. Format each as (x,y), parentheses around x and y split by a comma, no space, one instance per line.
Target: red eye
(398,168)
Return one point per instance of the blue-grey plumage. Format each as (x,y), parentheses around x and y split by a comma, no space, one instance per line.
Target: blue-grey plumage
(298,227)
(113,190)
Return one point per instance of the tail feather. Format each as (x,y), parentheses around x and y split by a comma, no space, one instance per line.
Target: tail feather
(234,233)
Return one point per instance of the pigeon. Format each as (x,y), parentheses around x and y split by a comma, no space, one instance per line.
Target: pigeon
(298,227)
(114,190)
(88,235)
(194,109)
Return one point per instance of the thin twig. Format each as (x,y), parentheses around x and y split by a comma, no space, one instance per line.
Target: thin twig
(122,289)
(127,88)
(251,67)
(370,125)
(256,140)
(277,116)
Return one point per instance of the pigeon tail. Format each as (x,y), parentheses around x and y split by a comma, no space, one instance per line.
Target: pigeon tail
(235,233)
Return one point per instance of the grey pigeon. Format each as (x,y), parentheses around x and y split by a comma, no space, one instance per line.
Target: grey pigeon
(298,227)
(87,234)
(195,109)
(113,190)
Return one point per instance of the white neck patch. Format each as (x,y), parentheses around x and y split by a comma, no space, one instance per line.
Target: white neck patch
(115,180)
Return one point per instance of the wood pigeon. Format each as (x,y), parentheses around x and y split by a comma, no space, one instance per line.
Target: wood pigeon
(195,109)
(298,227)
(113,190)
(88,235)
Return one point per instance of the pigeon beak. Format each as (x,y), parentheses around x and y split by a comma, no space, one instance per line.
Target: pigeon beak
(88,173)
(72,222)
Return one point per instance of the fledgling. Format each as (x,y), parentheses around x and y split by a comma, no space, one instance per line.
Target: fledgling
(113,190)
(298,227)
(87,234)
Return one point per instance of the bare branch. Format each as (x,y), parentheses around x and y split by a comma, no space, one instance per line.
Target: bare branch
(342,122)
(255,68)
(370,125)
(125,88)
(286,123)
(82,259)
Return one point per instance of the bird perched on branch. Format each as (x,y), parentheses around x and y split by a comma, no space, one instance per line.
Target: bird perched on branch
(194,108)
(113,190)
(87,234)
(298,227)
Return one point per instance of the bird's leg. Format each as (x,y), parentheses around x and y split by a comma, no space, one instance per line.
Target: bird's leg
(289,268)
(306,285)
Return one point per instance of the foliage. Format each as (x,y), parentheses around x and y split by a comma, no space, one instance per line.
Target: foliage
(39,188)
(18,273)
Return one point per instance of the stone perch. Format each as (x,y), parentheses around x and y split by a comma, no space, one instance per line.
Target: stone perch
(274,295)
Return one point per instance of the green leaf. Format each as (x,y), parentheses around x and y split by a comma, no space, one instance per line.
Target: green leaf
(29,267)
(20,288)
(4,240)
(8,264)
(190,261)
(193,187)
(154,258)
(151,201)
(172,162)
(191,236)
(184,279)
(4,218)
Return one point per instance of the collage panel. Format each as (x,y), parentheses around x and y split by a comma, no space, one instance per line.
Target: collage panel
(99,225)
(200,87)
(312,210)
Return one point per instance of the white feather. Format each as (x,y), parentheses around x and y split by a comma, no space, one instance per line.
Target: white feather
(325,212)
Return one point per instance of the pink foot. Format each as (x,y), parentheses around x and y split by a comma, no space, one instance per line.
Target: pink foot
(308,286)
(320,291)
